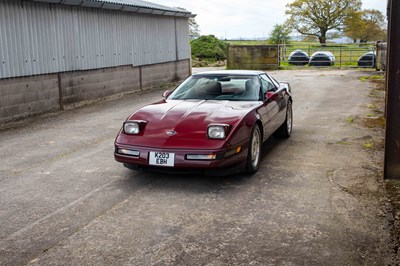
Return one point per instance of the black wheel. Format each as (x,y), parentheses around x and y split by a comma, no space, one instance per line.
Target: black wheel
(254,151)
(285,130)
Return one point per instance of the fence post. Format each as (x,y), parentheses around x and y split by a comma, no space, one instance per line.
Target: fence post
(279,55)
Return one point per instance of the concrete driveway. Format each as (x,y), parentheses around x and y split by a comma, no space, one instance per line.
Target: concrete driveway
(318,198)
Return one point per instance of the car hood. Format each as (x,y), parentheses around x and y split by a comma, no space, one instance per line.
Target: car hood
(188,120)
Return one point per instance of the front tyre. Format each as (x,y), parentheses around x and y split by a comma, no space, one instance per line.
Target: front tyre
(254,151)
(285,130)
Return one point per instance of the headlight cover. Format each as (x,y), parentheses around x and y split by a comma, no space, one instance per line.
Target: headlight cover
(134,127)
(217,131)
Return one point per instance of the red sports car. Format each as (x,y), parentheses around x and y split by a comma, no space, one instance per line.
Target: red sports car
(214,121)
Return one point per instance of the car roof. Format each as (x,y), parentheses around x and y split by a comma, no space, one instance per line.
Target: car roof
(230,72)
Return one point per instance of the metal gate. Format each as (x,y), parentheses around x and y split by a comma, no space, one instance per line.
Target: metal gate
(341,55)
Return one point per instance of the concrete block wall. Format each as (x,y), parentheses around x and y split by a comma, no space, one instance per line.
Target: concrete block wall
(26,96)
(166,73)
(381,58)
(80,86)
(21,97)
(254,57)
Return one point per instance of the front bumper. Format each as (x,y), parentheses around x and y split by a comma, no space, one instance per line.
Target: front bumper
(225,160)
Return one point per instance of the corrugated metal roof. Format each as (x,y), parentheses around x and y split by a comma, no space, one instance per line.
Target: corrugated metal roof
(138,6)
(41,39)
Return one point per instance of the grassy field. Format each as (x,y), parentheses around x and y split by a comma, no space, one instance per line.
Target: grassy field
(249,42)
(346,54)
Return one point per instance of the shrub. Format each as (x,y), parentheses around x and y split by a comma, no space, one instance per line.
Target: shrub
(208,47)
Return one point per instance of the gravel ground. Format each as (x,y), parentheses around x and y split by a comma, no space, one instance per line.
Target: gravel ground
(318,198)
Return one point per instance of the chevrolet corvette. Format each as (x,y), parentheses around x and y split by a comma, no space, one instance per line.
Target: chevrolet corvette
(214,122)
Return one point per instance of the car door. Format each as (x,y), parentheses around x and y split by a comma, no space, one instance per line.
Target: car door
(272,98)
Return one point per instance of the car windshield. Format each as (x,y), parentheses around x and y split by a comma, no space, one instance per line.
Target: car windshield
(226,87)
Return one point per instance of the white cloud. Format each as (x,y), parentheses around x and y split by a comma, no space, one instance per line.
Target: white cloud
(375,4)
(238,19)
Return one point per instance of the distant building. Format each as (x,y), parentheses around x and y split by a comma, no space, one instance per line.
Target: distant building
(56,53)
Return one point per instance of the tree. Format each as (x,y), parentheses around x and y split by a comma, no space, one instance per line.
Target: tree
(375,25)
(194,31)
(280,34)
(208,47)
(318,17)
(354,25)
(367,25)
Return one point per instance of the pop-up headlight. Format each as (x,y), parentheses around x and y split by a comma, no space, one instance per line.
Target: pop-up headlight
(217,131)
(133,127)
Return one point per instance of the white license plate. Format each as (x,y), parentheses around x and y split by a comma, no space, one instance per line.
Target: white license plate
(162,158)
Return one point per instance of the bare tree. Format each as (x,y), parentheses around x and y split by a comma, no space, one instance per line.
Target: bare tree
(194,31)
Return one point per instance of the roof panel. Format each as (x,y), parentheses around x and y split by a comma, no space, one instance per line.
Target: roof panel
(130,8)
(126,5)
(92,4)
(112,6)
(73,2)
(52,1)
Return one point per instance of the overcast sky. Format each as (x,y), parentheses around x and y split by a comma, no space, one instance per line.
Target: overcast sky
(234,19)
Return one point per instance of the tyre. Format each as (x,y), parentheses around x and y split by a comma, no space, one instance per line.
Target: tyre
(254,151)
(285,130)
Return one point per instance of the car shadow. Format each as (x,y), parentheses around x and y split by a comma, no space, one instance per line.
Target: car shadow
(194,183)
(197,183)
(269,146)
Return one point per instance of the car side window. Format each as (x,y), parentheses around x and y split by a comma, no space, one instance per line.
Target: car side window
(266,84)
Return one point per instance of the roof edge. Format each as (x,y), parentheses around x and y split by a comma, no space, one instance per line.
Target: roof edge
(135,6)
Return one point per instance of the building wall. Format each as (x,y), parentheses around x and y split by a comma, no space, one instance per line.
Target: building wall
(56,56)
(40,38)
(26,96)
(20,97)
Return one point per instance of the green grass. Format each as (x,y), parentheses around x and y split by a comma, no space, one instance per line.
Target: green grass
(368,145)
(372,78)
(350,120)
(343,143)
(376,77)
(249,42)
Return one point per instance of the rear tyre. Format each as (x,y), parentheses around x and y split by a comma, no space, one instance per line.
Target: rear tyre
(254,151)
(285,130)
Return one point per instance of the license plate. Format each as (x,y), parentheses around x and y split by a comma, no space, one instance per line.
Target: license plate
(162,158)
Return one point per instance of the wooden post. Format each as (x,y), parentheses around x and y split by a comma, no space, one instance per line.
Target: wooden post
(392,140)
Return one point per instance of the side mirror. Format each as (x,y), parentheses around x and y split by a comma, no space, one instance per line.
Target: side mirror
(270,95)
(166,94)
